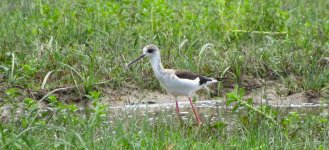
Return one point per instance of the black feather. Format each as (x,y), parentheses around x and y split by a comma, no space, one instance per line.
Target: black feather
(183,74)
(150,50)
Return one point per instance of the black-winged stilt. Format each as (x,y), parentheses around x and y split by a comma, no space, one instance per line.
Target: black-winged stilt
(176,82)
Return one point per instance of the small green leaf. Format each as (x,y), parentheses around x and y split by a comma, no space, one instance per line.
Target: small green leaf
(249,101)
(235,108)
(219,125)
(323,120)
(29,102)
(95,94)
(231,96)
(12,92)
(241,93)
(230,101)
(53,99)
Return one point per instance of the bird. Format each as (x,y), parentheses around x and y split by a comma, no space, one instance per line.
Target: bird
(176,82)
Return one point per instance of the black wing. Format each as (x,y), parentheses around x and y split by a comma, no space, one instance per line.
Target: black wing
(183,74)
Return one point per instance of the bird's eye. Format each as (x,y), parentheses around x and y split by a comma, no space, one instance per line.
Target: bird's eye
(150,50)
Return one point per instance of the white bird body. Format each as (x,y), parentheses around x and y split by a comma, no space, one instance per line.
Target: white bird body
(172,83)
(176,82)
(178,87)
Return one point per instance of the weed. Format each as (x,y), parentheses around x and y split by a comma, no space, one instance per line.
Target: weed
(52,46)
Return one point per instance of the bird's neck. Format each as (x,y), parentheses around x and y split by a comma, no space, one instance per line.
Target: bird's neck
(156,65)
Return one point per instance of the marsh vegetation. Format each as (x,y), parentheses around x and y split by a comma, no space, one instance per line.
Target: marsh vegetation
(59,58)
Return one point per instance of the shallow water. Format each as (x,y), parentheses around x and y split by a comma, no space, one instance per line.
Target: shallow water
(211,110)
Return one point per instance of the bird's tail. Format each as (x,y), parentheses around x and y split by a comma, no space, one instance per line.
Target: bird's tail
(213,80)
(221,79)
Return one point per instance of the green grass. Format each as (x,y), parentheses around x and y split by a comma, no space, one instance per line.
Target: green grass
(83,45)
(97,127)
(88,42)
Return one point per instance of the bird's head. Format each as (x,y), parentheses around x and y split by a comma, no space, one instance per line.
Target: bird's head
(150,50)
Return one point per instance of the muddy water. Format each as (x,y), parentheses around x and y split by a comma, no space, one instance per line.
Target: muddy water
(211,110)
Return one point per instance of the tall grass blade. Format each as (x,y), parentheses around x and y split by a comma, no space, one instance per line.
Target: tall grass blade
(45,80)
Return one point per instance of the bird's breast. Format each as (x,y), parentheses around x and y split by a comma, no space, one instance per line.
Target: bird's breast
(177,86)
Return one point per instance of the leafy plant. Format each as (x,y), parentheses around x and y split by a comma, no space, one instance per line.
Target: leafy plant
(237,96)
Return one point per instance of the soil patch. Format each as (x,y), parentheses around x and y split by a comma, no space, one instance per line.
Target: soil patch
(273,95)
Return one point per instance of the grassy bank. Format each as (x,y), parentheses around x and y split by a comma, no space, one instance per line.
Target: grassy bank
(83,45)
(68,127)
(86,42)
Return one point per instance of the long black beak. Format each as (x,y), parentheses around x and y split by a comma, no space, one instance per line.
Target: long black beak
(140,57)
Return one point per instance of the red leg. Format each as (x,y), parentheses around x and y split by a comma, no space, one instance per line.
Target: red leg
(177,108)
(195,113)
